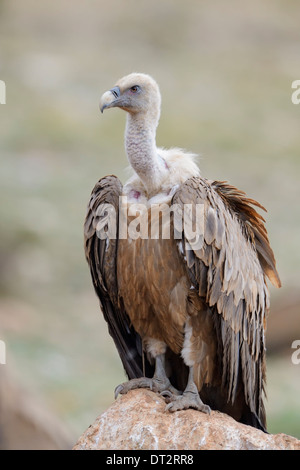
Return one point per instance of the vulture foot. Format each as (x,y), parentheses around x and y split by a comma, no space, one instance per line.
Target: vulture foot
(186,401)
(189,399)
(158,385)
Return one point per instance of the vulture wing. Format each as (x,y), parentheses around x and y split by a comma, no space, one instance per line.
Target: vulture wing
(227,264)
(101,254)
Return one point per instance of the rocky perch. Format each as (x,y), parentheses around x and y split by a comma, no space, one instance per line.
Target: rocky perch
(138,421)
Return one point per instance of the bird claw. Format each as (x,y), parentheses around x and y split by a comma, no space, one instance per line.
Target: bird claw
(163,388)
(166,394)
(118,390)
(170,395)
(188,400)
(142,382)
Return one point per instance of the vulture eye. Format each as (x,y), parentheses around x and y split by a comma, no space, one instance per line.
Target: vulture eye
(135,89)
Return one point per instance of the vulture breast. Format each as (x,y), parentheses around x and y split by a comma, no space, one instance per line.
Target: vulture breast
(153,285)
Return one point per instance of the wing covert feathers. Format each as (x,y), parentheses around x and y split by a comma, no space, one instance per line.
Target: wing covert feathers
(101,256)
(240,204)
(228,266)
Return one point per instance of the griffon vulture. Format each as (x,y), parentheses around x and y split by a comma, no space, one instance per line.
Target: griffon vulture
(188,320)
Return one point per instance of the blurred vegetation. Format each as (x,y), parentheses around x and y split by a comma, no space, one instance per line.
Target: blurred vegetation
(225,70)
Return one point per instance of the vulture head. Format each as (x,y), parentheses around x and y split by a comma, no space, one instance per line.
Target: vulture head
(137,93)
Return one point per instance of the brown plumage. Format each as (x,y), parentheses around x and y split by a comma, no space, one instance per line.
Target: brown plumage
(194,314)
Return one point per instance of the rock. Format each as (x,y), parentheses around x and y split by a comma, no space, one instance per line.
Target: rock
(138,421)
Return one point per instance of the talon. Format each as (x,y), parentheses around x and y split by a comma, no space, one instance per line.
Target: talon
(118,390)
(169,406)
(169,395)
(166,394)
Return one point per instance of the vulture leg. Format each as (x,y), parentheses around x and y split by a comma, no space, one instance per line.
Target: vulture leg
(159,383)
(190,397)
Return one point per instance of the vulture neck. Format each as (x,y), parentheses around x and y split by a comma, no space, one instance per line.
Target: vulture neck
(140,145)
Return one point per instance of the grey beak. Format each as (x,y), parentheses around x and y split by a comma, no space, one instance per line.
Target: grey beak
(110,98)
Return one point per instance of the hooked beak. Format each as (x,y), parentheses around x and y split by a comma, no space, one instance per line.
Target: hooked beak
(110,99)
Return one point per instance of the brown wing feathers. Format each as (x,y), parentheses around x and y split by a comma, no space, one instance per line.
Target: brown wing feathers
(227,271)
(238,202)
(102,257)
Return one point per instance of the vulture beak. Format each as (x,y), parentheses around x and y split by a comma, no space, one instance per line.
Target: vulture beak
(110,99)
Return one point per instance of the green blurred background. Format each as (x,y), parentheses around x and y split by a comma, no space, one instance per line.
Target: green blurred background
(225,71)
